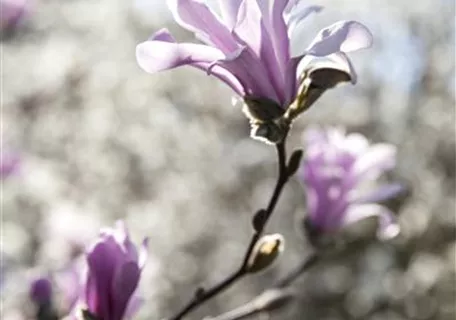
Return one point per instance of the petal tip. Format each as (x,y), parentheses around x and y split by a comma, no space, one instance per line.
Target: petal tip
(389,232)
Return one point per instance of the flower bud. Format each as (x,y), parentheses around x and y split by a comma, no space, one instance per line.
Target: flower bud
(114,271)
(41,295)
(41,291)
(266,250)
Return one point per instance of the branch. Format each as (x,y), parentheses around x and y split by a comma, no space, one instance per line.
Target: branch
(272,298)
(202,295)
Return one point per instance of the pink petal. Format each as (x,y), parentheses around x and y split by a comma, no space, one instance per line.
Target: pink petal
(156,55)
(133,306)
(298,14)
(342,36)
(250,72)
(196,16)
(124,285)
(101,262)
(376,160)
(229,11)
(161,52)
(252,31)
(272,12)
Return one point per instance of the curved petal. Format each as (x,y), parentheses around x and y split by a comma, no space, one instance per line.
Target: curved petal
(253,32)
(250,72)
(162,35)
(91,293)
(337,61)
(356,144)
(291,83)
(155,55)
(272,12)
(161,52)
(101,261)
(124,284)
(297,15)
(388,227)
(319,203)
(196,16)
(229,11)
(133,306)
(377,159)
(343,36)
(222,74)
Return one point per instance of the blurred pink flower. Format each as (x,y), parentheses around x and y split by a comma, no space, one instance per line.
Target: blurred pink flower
(114,270)
(335,170)
(248,46)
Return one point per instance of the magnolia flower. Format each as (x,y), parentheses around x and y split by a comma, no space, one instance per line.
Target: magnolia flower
(248,48)
(335,170)
(114,269)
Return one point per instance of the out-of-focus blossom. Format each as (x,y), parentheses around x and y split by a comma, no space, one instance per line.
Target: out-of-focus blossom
(114,269)
(41,291)
(248,48)
(9,163)
(336,170)
(12,12)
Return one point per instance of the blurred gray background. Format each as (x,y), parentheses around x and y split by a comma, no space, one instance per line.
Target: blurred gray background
(102,140)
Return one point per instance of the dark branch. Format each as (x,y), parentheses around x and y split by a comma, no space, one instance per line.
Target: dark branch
(272,298)
(204,295)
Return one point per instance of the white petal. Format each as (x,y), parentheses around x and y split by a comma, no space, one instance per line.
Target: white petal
(342,36)
(337,61)
(377,159)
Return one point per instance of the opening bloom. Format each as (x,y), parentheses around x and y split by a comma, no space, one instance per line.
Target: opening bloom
(336,170)
(114,269)
(248,48)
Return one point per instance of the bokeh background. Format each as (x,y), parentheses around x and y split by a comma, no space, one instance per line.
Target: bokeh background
(99,140)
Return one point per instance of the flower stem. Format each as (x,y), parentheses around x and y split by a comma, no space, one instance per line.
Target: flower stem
(205,294)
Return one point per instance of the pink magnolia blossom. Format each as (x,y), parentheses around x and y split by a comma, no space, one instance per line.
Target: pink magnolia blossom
(248,45)
(335,171)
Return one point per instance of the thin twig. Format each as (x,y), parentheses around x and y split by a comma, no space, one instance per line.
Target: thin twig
(272,298)
(206,294)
